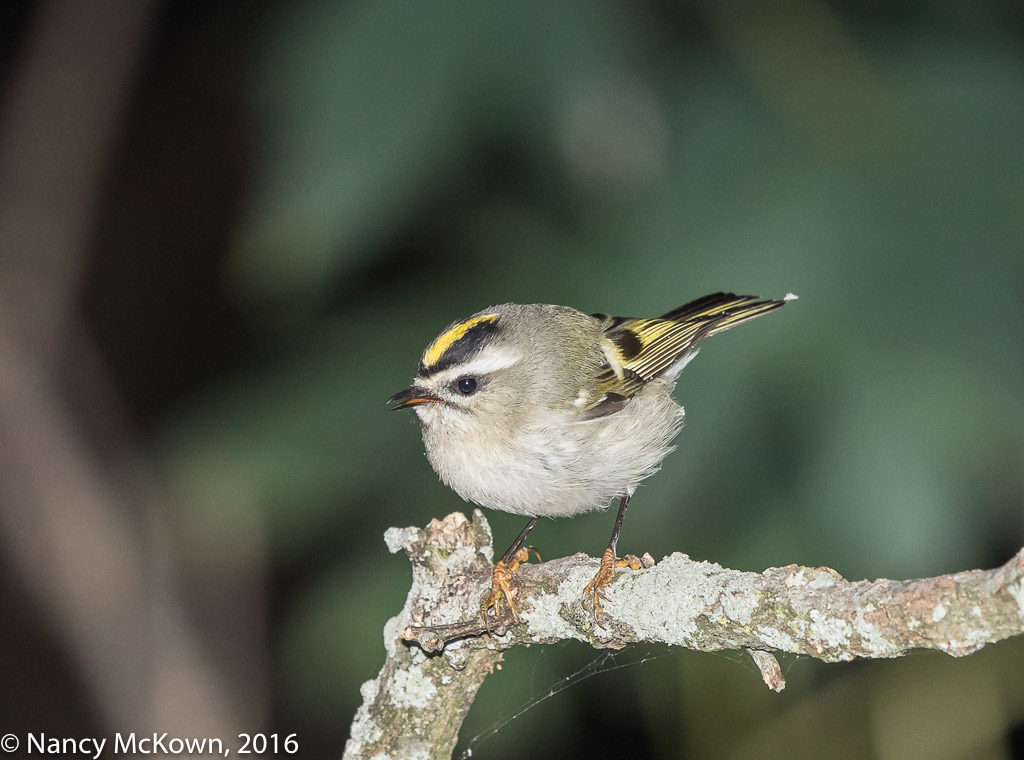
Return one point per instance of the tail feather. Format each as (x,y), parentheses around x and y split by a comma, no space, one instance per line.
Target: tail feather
(725,310)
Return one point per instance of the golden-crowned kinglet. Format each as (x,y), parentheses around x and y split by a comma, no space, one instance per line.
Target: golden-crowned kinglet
(545,411)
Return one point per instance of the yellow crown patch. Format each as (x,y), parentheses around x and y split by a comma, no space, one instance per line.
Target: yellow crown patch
(445,340)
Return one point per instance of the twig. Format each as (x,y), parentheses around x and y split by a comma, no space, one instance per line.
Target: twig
(419,699)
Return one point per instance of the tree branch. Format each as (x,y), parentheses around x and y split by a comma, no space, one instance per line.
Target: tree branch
(439,655)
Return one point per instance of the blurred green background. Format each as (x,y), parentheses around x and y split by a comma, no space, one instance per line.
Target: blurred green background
(297,197)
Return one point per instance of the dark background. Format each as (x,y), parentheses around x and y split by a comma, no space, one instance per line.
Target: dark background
(227,230)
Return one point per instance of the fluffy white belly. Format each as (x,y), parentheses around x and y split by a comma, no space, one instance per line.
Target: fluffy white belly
(560,466)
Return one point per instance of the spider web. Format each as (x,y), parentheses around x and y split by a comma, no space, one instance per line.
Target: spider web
(604,662)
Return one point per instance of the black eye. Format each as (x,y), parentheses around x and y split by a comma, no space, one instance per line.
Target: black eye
(467,385)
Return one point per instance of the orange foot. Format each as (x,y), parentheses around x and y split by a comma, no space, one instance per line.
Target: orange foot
(594,590)
(501,585)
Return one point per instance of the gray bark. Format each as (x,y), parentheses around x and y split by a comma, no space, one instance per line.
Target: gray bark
(438,654)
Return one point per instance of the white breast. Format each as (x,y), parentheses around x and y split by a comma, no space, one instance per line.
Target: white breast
(553,465)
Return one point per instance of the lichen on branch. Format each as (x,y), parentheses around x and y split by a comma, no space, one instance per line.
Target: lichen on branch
(439,650)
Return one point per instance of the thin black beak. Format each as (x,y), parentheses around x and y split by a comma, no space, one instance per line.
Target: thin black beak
(413,396)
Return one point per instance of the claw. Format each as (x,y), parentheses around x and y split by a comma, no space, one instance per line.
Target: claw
(502,590)
(594,591)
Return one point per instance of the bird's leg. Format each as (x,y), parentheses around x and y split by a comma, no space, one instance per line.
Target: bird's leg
(501,576)
(594,590)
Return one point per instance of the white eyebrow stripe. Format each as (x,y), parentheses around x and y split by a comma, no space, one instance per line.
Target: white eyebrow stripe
(489,360)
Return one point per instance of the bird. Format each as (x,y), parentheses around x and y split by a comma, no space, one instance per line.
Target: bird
(543,410)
